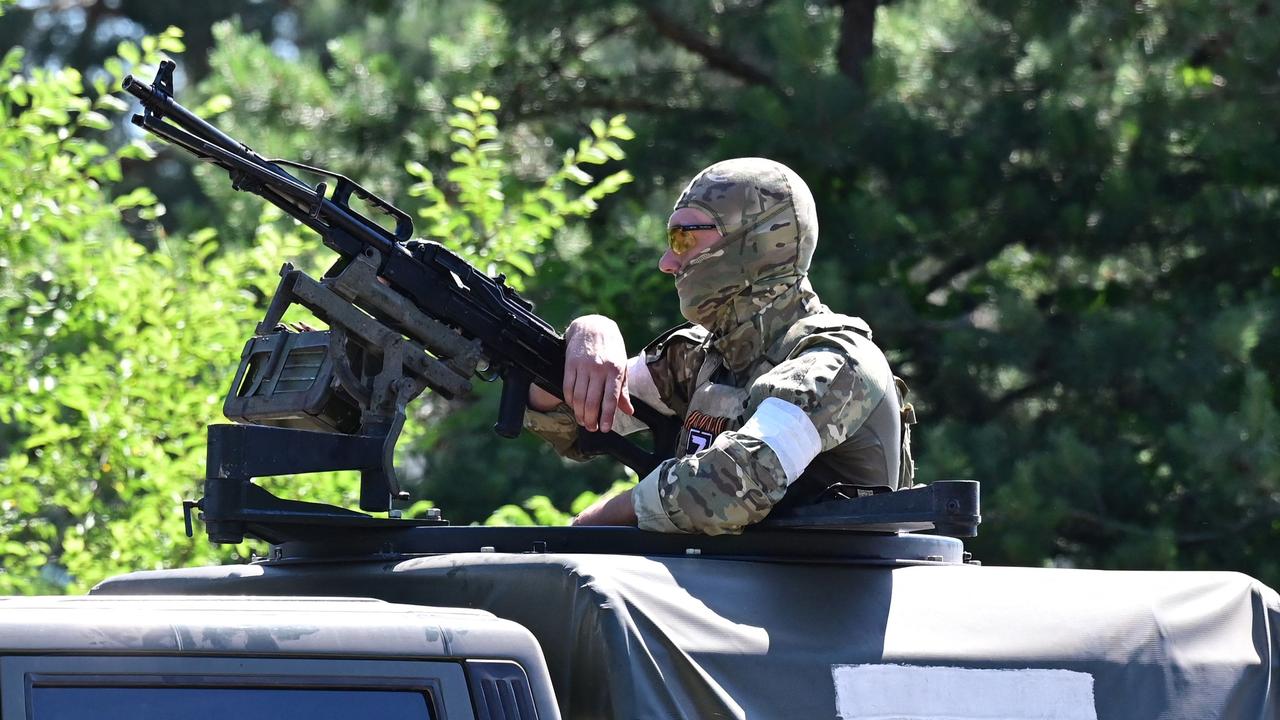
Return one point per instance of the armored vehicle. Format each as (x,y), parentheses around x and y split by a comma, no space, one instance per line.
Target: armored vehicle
(862,606)
(784,623)
(619,623)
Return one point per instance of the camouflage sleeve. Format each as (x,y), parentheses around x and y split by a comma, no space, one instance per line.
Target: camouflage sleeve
(835,391)
(672,361)
(808,404)
(558,427)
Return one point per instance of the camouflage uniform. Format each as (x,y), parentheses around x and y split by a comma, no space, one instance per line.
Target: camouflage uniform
(780,397)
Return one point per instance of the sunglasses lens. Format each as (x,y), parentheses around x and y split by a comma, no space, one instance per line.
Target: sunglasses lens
(680,240)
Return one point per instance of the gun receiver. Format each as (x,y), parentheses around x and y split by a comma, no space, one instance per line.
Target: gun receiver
(404,315)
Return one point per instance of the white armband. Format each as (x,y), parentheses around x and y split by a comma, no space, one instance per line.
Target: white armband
(788,431)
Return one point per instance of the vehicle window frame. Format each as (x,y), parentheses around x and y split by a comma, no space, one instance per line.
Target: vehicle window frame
(443,682)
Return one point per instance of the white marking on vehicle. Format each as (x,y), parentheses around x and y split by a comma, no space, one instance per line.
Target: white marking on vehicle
(923,692)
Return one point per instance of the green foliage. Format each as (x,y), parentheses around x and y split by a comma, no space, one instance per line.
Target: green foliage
(495,226)
(539,509)
(1089,341)
(105,344)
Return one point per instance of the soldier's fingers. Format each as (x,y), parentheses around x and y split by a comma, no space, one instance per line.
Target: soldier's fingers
(567,387)
(609,403)
(624,397)
(581,385)
(595,394)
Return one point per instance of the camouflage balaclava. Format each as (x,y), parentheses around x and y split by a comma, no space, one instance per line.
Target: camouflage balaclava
(770,226)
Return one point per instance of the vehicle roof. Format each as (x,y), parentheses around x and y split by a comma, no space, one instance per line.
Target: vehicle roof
(248,626)
(699,636)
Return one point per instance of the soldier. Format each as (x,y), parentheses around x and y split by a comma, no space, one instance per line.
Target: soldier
(783,401)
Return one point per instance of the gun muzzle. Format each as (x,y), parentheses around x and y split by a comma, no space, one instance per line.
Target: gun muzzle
(150,95)
(140,90)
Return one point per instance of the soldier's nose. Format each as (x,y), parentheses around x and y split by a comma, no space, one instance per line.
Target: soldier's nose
(669,263)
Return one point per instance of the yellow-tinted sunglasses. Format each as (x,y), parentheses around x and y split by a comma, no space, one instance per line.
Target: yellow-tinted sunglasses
(680,237)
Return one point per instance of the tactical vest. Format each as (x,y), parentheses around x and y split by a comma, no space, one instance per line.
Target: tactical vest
(877,455)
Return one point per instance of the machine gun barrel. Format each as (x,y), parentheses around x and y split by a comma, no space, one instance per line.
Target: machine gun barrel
(159,100)
(344,229)
(520,346)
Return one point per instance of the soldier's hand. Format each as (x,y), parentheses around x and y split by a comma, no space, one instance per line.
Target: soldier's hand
(541,400)
(595,372)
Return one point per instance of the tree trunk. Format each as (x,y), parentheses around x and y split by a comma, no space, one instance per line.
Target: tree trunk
(857,33)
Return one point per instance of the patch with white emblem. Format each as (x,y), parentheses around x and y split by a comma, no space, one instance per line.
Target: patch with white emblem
(700,430)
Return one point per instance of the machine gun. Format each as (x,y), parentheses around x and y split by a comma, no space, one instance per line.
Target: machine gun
(403,314)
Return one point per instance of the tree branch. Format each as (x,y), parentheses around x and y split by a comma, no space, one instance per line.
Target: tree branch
(604,34)
(610,104)
(716,57)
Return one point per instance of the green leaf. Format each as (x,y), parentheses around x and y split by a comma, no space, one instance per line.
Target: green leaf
(93,119)
(582,502)
(115,68)
(462,122)
(50,436)
(12,61)
(544,512)
(463,137)
(128,52)
(139,197)
(593,155)
(138,148)
(215,105)
(418,509)
(535,210)
(111,170)
(171,40)
(111,102)
(521,262)
(612,149)
(618,128)
(418,170)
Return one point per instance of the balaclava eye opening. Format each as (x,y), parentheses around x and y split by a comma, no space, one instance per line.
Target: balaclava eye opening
(770,226)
